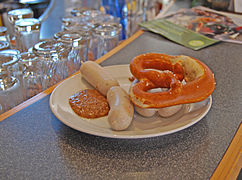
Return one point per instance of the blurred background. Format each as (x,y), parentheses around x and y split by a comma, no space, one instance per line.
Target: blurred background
(117,8)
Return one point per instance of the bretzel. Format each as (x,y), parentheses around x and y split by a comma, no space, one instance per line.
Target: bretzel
(154,70)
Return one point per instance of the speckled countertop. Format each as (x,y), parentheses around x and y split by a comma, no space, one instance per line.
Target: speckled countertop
(34,144)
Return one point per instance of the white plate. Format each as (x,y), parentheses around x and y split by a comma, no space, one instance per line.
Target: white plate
(141,127)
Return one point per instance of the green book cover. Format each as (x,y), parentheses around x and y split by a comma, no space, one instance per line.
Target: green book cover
(178,34)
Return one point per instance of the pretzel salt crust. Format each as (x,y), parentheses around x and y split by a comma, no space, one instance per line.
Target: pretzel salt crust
(198,77)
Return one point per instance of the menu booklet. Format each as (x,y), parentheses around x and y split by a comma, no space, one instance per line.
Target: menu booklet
(196,28)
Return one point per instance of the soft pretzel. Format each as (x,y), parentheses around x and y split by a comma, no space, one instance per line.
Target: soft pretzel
(154,70)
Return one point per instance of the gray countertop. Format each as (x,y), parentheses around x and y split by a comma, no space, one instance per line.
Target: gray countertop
(34,144)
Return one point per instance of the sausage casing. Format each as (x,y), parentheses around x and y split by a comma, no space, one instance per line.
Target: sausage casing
(163,112)
(121,111)
(98,77)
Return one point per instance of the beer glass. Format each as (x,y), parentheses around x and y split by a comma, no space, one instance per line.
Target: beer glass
(78,41)
(27,33)
(15,15)
(53,55)
(10,91)
(32,77)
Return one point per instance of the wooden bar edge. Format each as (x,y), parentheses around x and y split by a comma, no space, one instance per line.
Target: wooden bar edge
(231,163)
(48,91)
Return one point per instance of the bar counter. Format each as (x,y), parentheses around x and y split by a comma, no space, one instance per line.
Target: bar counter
(36,145)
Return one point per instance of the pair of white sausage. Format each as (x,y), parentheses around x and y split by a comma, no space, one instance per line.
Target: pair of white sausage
(163,112)
(121,109)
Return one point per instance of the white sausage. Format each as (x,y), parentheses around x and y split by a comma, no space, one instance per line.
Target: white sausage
(169,111)
(98,77)
(146,112)
(121,111)
(163,112)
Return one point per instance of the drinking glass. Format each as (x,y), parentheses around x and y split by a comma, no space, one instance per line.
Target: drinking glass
(4,36)
(105,38)
(79,10)
(15,69)
(10,91)
(70,4)
(9,62)
(15,15)
(10,51)
(78,26)
(32,77)
(97,16)
(78,41)
(96,19)
(4,45)
(78,6)
(27,33)
(105,18)
(92,13)
(74,20)
(54,56)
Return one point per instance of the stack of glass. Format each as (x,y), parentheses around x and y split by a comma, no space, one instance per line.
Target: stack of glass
(104,29)
(33,65)
(53,56)
(10,89)
(4,36)
(4,45)
(27,33)
(32,75)
(78,43)
(15,15)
